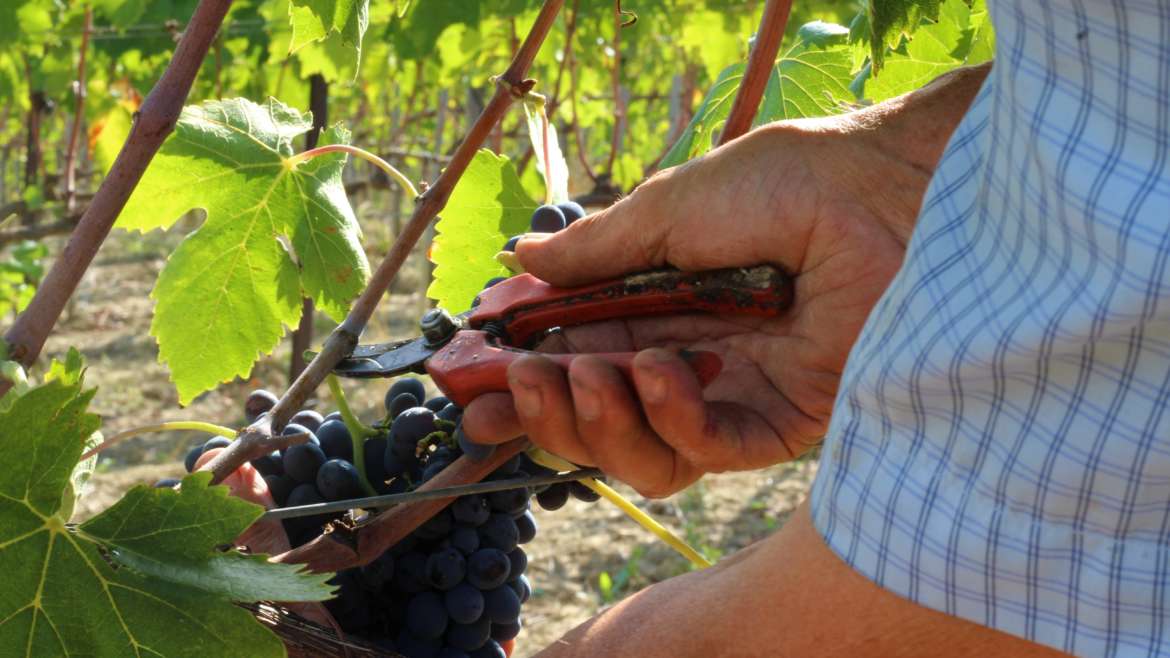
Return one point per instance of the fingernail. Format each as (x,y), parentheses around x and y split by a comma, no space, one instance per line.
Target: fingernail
(586,401)
(652,385)
(527,399)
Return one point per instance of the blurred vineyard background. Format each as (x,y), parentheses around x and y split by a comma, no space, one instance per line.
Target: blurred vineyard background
(631,87)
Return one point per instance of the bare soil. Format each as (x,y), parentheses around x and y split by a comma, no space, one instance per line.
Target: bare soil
(578,547)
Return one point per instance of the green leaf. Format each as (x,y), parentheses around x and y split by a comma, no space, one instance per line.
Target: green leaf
(934,48)
(487,207)
(315,20)
(109,133)
(822,34)
(228,291)
(890,20)
(67,594)
(808,81)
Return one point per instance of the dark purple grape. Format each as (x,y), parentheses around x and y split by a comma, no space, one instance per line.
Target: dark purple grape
(302,461)
(166,483)
(451,652)
(505,632)
(491,649)
(436,527)
(437,403)
(405,385)
(293,428)
(583,493)
(280,486)
(270,464)
(464,603)
(469,637)
(378,573)
(509,501)
(501,605)
(571,210)
(193,456)
(499,532)
(519,561)
(554,497)
(507,469)
(259,402)
(307,418)
(547,219)
(338,479)
(396,464)
(416,647)
(400,403)
(450,413)
(488,568)
(333,415)
(426,615)
(216,442)
(510,245)
(526,527)
(374,451)
(412,426)
(335,440)
(433,468)
(471,510)
(446,568)
(522,588)
(464,539)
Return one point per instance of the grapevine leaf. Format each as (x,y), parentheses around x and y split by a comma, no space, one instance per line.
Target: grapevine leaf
(486,208)
(807,81)
(66,595)
(227,292)
(539,127)
(108,133)
(822,34)
(890,20)
(316,20)
(932,50)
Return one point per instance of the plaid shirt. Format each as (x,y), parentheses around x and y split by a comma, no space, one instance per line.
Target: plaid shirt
(1000,445)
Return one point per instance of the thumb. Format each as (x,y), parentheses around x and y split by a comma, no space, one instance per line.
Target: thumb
(626,237)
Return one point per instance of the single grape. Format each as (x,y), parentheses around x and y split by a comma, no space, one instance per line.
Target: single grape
(471,510)
(583,493)
(374,451)
(464,539)
(554,497)
(332,415)
(547,219)
(505,632)
(491,649)
(193,456)
(166,483)
(475,451)
(405,385)
(396,463)
(526,527)
(436,527)
(216,442)
(493,281)
(293,428)
(308,418)
(519,561)
(532,468)
(488,568)
(522,588)
(426,615)
(571,210)
(501,605)
(433,468)
(510,245)
(412,425)
(410,572)
(450,413)
(446,568)
(464,603)
(280,486)
(270,464)
(304,494)
(400,403)
(437,403)
(500,532)
(378,573)
(335,440)
(259,402)
(509,501)
(416,647)
(508,468)
(469,637)
(302,461)
(338,479)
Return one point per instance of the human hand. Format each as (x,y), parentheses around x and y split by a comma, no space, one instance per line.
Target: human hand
(832,201)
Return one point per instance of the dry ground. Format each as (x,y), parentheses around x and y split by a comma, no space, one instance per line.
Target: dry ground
(578,546)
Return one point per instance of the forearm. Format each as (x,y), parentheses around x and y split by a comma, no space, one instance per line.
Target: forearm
(788,595)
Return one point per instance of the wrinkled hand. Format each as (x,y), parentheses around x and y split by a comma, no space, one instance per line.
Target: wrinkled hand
(832,201)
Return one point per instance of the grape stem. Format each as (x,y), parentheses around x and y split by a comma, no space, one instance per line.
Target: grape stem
(549,460)
(175,425)
(390,170)
(358,433)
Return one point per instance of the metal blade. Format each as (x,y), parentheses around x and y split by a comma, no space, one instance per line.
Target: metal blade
(386,359)
(444,492)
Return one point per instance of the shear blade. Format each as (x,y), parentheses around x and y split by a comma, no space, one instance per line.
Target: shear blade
(386,359)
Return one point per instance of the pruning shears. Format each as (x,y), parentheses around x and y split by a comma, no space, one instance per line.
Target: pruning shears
(468,354)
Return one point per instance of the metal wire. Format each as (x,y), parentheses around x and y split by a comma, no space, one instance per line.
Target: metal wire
(446,492)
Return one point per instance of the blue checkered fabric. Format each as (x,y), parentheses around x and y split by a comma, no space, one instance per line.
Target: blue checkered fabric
(1000,445)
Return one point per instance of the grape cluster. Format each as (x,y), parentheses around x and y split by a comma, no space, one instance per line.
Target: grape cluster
(455,586)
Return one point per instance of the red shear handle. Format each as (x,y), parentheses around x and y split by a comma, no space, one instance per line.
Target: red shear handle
(473,364)
(525,306)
